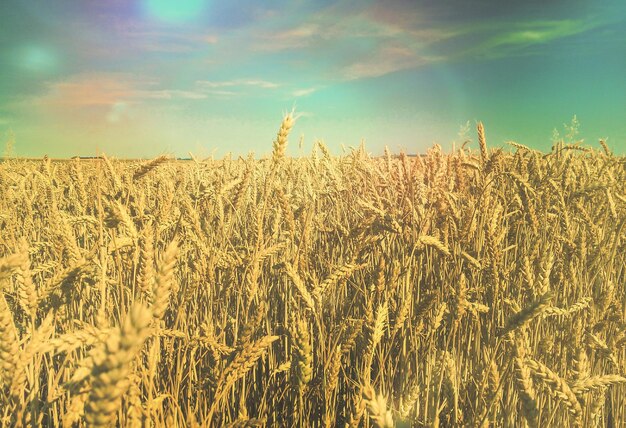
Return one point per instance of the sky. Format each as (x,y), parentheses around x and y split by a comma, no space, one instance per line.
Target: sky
(139,78)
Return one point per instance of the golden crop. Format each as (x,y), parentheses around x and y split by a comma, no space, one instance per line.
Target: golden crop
(464,289)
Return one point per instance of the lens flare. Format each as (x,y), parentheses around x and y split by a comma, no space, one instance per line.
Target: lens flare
(175,11)
(37,59)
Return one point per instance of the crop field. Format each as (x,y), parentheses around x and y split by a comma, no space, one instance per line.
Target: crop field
(477,288)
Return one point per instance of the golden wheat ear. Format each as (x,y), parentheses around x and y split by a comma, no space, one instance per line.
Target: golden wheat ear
(110,374)
(164,276)
(145,168)
(9,345)
(377,408)
(280,143)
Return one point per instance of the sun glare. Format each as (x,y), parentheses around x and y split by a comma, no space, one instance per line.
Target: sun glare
(38,59)
(175,12)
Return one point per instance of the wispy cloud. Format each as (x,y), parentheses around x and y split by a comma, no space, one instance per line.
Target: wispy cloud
(507,39)
(169,94)
(303,92)
(219,92)
(86,90)
(351,43)
(117,112)
(150,37)
(117,94)
(295,37)
(385,60)
(264,84)
(375,39)
(211,39)
(106,89)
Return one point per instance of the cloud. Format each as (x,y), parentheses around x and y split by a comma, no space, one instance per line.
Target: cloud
(303,92)
(86,90)
(385,60)
(114,95)
(344,42)
(169,94)
(321,32)
(150,37)
(295,37)
(347,42)
(211,39)
(264,84)
(164,47)
(105,98)
(230,88)
(220,93)
(118,112)
(512,39)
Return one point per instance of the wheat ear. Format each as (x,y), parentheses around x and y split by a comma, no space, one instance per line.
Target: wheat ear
(241,364)
(164,277)
(146,261)
(377,408)
(9,346)
(482,142)
(302,354)
(280,144)
(527,314)
(557,387)
(524,383)
(110,374)
(145,168)
(596,382)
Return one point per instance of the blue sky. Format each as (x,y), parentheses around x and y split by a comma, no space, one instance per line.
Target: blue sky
(140,78)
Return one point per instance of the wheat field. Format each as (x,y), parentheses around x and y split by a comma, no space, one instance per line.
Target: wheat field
(479,288)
